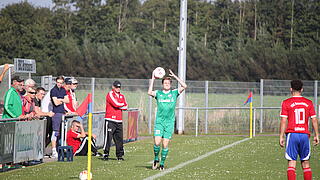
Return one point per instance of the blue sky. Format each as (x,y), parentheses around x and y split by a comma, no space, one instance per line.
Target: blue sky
(37,3)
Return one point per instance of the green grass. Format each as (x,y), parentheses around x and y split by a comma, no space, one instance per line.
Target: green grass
(258,158)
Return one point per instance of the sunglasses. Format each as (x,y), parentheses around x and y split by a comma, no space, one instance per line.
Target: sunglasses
(32,92)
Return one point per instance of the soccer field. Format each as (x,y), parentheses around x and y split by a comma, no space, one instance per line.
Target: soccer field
(219,157)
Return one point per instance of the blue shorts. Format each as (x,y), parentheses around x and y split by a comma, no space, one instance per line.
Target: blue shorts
(297,144)
(56,121)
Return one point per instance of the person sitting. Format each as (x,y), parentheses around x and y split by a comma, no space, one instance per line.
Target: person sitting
(78,139)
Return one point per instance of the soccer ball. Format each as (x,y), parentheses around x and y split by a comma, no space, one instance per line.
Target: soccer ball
(159,73)
(84,174)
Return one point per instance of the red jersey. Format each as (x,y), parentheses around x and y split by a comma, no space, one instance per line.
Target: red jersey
(73,141)
(69,107)
(115,103)
(298,110)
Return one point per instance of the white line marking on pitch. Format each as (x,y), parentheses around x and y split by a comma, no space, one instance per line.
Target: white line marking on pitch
(193,160)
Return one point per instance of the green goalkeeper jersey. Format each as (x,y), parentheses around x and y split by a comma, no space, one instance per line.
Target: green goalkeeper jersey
(166,105)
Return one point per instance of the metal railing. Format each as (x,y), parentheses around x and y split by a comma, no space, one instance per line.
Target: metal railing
(197,109)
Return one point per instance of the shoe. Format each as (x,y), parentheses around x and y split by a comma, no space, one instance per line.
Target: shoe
(161,168)
(120,159)
(97,154)
(155,165)
(105,157)
(54,154)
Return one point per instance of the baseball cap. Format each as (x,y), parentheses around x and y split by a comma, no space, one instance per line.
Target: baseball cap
(17,78)
(116,84)
(74,81)
(67,81)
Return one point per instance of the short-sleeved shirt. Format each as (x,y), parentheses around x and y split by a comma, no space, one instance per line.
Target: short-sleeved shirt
(59,93)
(166,102)
(298,110)
(73,141)
(37,102)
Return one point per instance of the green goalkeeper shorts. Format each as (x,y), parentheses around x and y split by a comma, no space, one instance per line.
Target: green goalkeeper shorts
(164,130)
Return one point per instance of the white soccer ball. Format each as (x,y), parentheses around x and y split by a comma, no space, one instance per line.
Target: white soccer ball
(84,175)
(159,73)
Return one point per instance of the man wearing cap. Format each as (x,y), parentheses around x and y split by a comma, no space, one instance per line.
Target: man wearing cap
(69,107)
(12,100)
(115,104)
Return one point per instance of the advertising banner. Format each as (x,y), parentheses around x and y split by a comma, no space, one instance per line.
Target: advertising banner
(7,131)
(29,138)
(132,131)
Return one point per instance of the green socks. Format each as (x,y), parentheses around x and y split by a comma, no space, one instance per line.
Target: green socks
(156,150)
(164,154)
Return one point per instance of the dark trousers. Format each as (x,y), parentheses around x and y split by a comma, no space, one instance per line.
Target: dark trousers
(113,130)
(48,130)
(83,149)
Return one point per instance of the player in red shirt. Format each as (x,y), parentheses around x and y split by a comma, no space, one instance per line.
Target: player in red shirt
(78,139)
(295,114)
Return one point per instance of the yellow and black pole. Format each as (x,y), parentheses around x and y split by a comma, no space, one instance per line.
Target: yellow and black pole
(250,100)
(89,136)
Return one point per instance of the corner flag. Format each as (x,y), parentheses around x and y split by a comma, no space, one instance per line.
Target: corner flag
(249,99)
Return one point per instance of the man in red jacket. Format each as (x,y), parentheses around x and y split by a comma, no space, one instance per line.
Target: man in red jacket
(115,104)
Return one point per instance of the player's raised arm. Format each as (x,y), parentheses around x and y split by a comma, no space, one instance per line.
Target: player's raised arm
(183,84)
(150,90)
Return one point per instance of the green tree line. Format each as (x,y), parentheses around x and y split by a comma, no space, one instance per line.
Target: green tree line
(226,39)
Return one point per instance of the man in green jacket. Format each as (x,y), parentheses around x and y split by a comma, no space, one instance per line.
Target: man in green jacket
(12,100)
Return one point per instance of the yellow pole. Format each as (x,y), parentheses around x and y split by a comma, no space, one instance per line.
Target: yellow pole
(251,119)
(89,144)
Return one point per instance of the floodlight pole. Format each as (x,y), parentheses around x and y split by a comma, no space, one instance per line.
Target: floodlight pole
(182,61)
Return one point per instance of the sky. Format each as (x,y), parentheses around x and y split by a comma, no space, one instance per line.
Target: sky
(37,3)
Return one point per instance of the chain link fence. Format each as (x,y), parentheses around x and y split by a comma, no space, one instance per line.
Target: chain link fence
(266,93)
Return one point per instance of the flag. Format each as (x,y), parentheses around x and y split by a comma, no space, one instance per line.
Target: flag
(249,99)
(85,106)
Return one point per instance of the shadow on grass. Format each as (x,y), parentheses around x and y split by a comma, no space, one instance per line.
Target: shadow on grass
(109,159)
(145,166)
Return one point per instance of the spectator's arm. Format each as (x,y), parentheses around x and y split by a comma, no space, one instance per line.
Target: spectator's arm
(113,101)
(5,69)
(65,99)
(56,101)
(125,107)
(82,133)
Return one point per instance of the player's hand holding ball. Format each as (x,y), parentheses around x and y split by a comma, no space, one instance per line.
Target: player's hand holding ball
(158,73)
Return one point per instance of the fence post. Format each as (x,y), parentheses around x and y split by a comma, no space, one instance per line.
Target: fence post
(92,91)
(261,105)
(150,111)
(62,131)
(316,95)
(197,121)
(206,105)
(254,122)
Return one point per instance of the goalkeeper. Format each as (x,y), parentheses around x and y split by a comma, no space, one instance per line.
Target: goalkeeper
(164,124)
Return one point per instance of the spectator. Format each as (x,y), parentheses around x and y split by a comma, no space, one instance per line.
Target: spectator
(12,100)
(69,107)
(115,103)
(5,69)
(78,139)
(40,93)
(28,83)
(28,106)
(38,102)
(58,97)
(74,86)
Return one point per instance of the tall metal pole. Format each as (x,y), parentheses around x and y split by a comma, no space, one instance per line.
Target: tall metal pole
(182,61)
(261,105)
